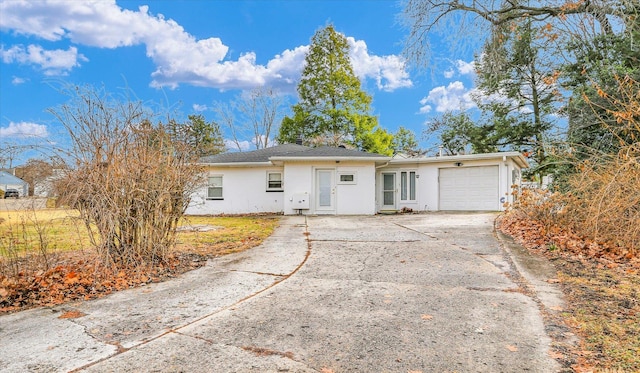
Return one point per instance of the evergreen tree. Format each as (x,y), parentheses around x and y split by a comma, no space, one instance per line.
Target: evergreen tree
(332,107)
(601,63)
(519,92)
(404,141)
(201,138)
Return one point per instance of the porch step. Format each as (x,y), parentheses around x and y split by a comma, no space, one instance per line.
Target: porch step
(388,212)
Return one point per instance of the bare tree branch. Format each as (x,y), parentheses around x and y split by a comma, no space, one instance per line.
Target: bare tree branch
(427,17)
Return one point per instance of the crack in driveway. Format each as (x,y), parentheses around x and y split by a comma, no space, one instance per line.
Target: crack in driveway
(176,330)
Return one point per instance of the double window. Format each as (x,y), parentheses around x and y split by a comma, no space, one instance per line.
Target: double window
(274,181)
(408,186)
(214,187)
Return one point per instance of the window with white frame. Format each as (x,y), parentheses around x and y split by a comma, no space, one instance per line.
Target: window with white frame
(347,177)
(214,187)
(408,186)
(274,181)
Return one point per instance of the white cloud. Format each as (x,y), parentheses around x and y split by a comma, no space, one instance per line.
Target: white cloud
(17,80)
(449,73)
(240,146)
(461,68)
(178,56)
(53,62)
(388,71)
(23,130)
(198,107)
(287,67)
(466,68)
(455,96)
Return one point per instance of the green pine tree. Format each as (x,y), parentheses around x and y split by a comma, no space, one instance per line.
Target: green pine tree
(332,108)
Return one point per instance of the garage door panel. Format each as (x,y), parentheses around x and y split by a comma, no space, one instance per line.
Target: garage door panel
(469,188)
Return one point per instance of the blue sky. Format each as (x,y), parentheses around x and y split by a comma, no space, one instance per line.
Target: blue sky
(187,55)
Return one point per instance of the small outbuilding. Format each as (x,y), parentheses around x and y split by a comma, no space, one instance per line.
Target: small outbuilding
(10,181)
(295,179)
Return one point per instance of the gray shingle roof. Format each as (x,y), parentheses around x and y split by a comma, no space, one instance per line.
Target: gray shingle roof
(330,151)
(260,155)
(287,151)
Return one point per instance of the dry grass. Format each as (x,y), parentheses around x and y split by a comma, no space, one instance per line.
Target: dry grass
(604,309)
(601,287)
(30,231)
(229,233)
(46,258)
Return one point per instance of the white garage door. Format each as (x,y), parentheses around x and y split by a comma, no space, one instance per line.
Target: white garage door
(469,188)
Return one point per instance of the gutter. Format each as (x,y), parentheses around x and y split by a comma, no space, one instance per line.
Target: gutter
(236,164)
(329,158)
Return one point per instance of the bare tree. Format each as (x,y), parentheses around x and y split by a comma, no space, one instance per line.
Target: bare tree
(252,115)
(9,152)
(130,181)
(460,18)
(34,171)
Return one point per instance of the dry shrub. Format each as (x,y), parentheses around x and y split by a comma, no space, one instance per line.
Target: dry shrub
(131,179)
(602,205)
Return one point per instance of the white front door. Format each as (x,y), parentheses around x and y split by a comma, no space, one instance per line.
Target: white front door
(388,191)
(325,191)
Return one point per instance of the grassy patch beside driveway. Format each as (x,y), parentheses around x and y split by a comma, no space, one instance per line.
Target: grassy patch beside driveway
(46,257)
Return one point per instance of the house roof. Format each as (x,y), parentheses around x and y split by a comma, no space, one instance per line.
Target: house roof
(255,156)
(290,152)
(517,157)
(329,153)
(8,179)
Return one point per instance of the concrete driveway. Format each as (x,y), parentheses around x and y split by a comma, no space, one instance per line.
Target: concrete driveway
(406,293)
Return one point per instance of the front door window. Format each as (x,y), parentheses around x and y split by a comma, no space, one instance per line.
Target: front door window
(389,190)
(325,189)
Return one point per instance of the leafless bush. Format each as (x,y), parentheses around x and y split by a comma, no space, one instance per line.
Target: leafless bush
(25,244)
(603,199)
(130,179)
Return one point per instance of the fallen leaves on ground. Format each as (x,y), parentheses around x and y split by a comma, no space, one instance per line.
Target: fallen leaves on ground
(77,275)
(600,287)
(71,315)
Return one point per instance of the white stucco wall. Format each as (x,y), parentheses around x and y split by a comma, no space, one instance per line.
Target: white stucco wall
(356,198)
(427,184)
(244,190)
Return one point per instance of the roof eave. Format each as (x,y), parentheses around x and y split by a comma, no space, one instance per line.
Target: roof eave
(329,158)
(235,164)
(518,158)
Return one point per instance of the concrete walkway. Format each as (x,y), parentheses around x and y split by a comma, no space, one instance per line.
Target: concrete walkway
(429,293)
